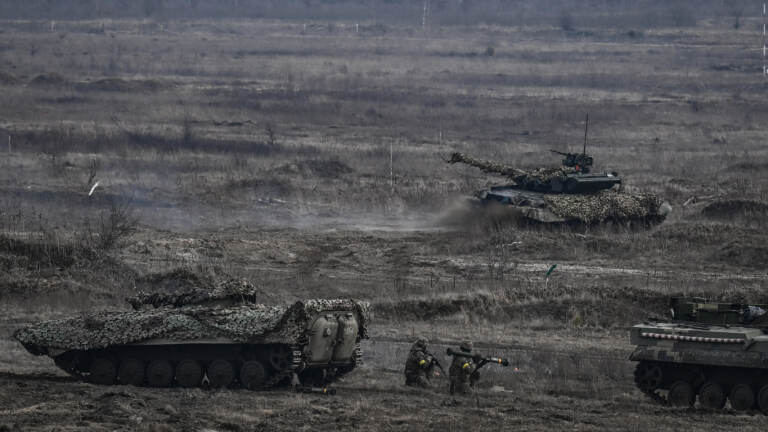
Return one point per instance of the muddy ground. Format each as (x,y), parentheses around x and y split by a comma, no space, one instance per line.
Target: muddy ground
(38,398)
(46,402)
(566,338)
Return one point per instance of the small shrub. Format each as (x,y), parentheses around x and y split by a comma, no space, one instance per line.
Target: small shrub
(695,105)
(271,137)
(93,170)
(566,21)
(490,51)
(187,134)
(111,228)
(377,29)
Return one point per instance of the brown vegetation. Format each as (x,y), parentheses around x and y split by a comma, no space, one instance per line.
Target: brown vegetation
(307,156)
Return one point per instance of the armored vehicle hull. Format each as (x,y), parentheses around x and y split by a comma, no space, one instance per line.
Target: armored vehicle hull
(596,208)
(711,354)
(251,345)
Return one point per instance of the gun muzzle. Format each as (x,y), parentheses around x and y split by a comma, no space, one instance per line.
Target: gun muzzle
(501,361)
(316,390)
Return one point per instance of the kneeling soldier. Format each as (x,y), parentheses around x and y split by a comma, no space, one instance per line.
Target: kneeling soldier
(463,371)
(419,365)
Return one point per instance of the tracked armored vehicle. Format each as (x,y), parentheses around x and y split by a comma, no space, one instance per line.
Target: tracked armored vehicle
(220,338)
(571,193)
(713,352)
(567,194)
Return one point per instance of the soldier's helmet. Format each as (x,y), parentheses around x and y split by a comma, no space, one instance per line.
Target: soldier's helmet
(466,346)
(421,343)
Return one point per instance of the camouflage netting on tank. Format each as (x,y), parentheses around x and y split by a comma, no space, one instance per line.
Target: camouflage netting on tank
(521,177)
(604,205)
(236,290)
(249,323)
(543,175)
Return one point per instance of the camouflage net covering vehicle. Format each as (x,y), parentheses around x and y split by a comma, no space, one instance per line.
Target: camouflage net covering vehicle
(570,193)
(715,352)
(219,338)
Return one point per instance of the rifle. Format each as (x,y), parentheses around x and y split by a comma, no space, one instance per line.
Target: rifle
(436,362)
(480,360)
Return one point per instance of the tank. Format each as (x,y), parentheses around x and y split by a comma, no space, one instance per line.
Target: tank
(217,338)
(571,193)
(708,352)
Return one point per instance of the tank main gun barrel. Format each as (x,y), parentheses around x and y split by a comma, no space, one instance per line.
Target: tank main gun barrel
(487,166)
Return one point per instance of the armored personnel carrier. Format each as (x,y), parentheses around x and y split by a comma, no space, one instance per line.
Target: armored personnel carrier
(219,338)
(713,352)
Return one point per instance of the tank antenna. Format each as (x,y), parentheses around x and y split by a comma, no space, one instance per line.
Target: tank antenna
(586,125)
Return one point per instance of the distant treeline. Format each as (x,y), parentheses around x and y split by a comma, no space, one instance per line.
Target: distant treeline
(566,13)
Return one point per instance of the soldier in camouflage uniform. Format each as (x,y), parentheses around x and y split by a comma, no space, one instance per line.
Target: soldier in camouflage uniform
(419,365)
(463,371)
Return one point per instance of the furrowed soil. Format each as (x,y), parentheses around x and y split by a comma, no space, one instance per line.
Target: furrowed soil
(310,159)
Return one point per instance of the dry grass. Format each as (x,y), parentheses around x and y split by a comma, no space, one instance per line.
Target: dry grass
(282,96)
(261,149)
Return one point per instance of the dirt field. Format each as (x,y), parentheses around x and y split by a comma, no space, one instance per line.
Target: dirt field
(308,156)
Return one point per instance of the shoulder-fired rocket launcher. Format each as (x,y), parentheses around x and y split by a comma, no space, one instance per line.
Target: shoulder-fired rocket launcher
(480,360)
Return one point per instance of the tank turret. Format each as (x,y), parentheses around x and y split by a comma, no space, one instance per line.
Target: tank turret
(573,177)
(581,162)
(699,310)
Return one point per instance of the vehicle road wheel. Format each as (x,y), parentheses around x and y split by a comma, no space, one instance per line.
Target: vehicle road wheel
(762,399)
(252,374)
(160,373)
(712,395)
(103,371)
(131,372)
(189,373)
(220,373)
(681,395)
(742,397)
(278,357)
(648,376)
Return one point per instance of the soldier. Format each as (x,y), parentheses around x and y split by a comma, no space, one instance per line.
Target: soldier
(463,371)
(419,365)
